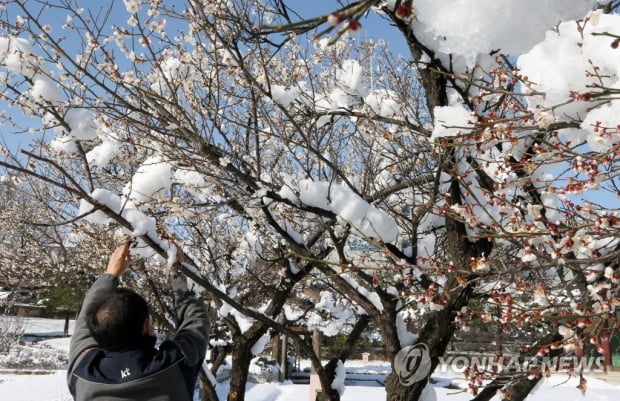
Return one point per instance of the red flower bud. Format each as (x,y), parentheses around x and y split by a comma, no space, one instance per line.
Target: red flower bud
(354,26)
(403,11)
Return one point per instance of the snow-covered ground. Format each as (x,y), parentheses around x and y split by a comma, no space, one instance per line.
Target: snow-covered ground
(51,386)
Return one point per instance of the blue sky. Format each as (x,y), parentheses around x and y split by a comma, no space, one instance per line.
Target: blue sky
(373,27)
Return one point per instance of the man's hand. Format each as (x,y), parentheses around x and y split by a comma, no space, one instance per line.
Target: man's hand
(174,268)
(177,259)
(119,260)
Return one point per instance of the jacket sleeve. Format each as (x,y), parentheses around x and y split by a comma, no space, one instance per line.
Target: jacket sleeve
(192,333)
(81,338)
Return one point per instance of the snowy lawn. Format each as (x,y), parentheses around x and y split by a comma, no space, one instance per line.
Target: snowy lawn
(51,386)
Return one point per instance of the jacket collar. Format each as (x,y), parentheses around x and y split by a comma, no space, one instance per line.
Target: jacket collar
(145,342)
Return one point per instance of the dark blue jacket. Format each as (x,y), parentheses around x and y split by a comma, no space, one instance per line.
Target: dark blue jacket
(141,372)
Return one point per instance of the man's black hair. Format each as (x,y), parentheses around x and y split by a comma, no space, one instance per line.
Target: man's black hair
(117,321)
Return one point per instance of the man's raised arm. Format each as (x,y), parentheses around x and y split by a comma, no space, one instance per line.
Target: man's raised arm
(192,333)
(81,338)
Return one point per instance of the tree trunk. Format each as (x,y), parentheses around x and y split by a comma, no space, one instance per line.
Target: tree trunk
(520,386)
(241,358)
(276,348)
(218,355)
(435,336)
(326,376)
(66,328)
(328,373)
(207,389)
(327,393)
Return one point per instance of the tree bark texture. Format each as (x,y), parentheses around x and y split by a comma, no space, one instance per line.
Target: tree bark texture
(436,334)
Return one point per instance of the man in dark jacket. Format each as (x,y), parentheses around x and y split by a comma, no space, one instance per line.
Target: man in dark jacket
(112,354)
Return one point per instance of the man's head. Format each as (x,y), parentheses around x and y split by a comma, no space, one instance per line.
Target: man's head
(120,320)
